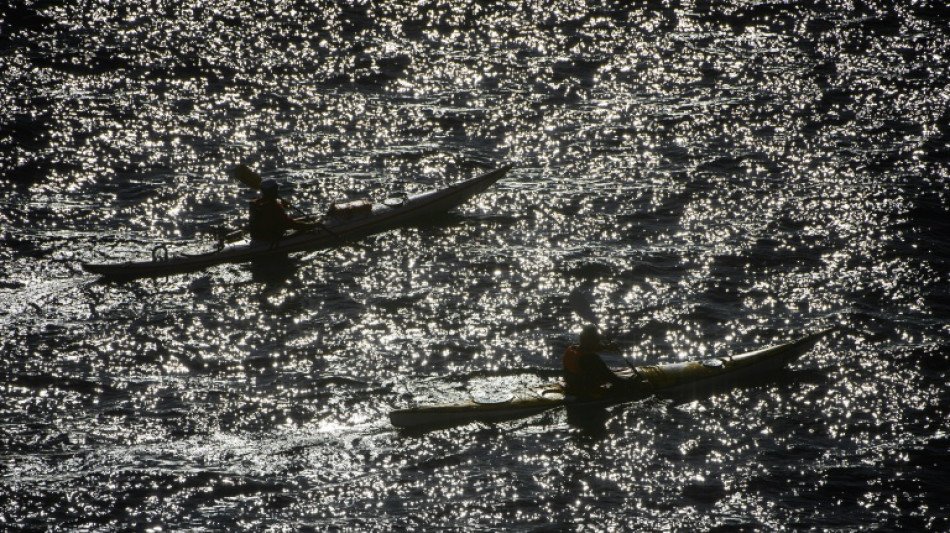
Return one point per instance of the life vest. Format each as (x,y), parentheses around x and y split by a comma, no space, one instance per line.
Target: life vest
(267,219)
(583,376)
(572,360)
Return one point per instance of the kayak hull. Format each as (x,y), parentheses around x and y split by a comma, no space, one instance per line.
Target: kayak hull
(668,380)
(336,231)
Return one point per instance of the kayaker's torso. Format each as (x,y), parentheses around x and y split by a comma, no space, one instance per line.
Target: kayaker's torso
(268,219)
(585,374)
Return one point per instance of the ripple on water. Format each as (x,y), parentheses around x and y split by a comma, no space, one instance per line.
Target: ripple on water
(717,177)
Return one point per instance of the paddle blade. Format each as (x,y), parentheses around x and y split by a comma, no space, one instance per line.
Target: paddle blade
(581,305)
(248,177)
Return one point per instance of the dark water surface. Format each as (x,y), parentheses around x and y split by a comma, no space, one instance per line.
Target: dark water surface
(719,176)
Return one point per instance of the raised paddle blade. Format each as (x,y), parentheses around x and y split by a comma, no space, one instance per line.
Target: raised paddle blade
(581,305)
(248,177)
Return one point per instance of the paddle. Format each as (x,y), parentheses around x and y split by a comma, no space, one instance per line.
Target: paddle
(245,175)
(581,305)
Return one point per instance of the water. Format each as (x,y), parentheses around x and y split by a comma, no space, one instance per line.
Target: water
(717,176)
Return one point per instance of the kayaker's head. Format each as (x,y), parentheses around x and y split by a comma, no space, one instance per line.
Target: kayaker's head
(590,338)
(269,188)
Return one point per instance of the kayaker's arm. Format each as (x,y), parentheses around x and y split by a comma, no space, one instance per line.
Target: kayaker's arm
(595,367)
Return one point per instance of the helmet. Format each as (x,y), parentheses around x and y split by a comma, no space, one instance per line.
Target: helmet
(590,336)
(269,187)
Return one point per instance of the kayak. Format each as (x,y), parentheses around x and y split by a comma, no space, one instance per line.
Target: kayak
(341,226)
(670,380)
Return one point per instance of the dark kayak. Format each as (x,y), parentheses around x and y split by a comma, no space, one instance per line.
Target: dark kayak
(335,231)
(674,379)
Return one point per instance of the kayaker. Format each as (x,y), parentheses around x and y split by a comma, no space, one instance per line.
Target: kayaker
(268,216)
(585,373)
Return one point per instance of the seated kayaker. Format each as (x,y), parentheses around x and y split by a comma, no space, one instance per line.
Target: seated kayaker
(268,216)
(585,373)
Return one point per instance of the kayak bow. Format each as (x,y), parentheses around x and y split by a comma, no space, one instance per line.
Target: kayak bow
(670,380)
(336,230)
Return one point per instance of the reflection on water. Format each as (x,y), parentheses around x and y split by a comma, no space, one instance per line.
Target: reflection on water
(718,177)
(273,272)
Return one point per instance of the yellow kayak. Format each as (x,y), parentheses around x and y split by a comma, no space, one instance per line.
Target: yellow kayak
(674,379)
